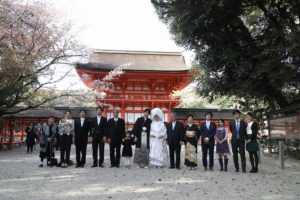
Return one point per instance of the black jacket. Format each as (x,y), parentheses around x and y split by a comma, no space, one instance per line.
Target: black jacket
(116,130)
(82,132)
(176,135)
(210,133)
(98,131)
(242,131)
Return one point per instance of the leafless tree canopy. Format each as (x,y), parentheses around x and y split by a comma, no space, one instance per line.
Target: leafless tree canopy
(33,42)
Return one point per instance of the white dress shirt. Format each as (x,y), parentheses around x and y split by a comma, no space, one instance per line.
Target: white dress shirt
(207,124)
(98,119)
(81,121)
(173,125)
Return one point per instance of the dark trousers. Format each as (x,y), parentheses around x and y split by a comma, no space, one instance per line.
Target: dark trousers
(175,149)
(65,147)
(208,148)
(239,147)
(115,154)
(57,145)
(29,147)
(80,153)
(98,144)
(253,159)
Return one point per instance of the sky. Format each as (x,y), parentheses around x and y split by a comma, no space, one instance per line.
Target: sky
(117,25)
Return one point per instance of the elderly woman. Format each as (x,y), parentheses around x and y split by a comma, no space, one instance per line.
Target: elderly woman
(46,138)
(158,135)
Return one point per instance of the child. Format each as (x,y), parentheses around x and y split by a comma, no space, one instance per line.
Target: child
(222,145)
(127,149)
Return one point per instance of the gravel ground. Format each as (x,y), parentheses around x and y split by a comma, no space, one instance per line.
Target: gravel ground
(21,178)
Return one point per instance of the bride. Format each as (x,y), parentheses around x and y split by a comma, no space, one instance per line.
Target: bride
(158,135)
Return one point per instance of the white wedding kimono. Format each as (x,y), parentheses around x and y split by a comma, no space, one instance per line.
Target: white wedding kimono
(158,146)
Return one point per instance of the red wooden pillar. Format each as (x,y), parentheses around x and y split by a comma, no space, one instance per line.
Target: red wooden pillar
(11,134)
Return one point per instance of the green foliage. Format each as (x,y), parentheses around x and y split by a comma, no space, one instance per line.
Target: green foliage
(248,50)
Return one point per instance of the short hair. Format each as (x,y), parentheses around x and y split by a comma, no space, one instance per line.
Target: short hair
(190,115)
(68,111)
(99,108)
(236,111)
(209,113)
(82,111)
(173,113)
(222,120)
(250,114)
(51,116)
(147,110)
(116,109)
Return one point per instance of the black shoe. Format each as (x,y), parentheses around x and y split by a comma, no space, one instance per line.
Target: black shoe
(252,170)
(41,165)
(77,166)
(100,165)
(237,170)
(82,166)
(172,167)
(112,166)
(117,166)
(178,168)
(244,171)
(94,166)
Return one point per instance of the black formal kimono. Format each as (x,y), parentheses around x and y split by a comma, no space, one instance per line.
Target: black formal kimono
(98,132)
(192,135)
(208,147)
(175,136)
(138,129)
(81,139)
(238,135)
(115,132)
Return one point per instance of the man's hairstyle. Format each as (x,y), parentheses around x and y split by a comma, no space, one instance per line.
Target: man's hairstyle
(99,108)
(209,113)
(147,110)
(190,115)
(236,111)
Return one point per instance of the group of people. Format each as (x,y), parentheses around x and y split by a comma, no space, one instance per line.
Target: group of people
(154,140)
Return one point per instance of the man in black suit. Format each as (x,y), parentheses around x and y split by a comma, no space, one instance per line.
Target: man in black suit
(82,129)
(238,131)
(115,134)
(208,131)
(99,131)
(175,133)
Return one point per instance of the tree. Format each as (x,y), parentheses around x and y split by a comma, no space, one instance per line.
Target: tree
(33,43)
(249,49)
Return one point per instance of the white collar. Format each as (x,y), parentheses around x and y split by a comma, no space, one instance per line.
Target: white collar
(116,119)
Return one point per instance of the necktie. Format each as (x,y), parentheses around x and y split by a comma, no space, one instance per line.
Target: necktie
(237,130)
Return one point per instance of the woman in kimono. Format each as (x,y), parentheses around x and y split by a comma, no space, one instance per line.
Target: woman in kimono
(251,142)
(158,135)
(192,134)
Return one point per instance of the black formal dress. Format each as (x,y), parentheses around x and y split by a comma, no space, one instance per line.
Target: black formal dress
(82,129)
(175,136)
(192,135)
(98,131)
(115,132)
(208,147)
(238,135)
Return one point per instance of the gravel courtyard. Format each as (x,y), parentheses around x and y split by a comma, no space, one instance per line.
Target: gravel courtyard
(21,178)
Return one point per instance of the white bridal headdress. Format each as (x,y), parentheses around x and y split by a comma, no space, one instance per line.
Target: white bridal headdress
(158,112)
